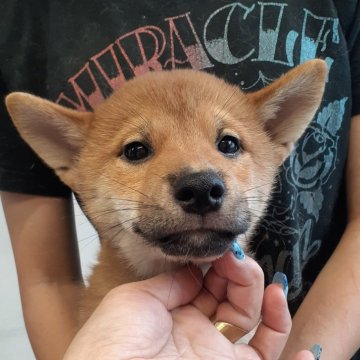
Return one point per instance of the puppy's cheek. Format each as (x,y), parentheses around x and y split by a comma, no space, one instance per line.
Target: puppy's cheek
(111,214)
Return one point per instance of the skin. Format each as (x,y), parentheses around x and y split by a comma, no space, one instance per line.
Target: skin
(330,313)
(169,317)
(43,238)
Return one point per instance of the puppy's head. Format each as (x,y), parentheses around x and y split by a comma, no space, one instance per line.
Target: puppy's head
(175,164)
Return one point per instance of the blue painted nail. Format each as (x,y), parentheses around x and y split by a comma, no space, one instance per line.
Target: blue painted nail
(280,278)
(316,350)
(237,251)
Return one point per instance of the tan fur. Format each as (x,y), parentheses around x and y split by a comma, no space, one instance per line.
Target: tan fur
(181,114)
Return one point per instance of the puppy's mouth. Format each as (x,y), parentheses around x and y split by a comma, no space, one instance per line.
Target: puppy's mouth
(199,238)
(195,243)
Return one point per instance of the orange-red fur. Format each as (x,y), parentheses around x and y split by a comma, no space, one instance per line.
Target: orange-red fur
(180,113)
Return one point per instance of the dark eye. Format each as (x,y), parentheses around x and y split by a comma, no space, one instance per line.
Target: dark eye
(136,151)
(229,145)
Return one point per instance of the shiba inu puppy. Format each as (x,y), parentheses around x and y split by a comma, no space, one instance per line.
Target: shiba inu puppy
(174,166)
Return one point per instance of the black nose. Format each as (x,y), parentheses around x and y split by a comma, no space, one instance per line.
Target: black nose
(199,192)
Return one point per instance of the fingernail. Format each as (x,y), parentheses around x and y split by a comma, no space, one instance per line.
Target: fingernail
(237,251)
(280,278)
(316,350)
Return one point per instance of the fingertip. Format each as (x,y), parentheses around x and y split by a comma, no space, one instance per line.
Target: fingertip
(237,251)
(245,271)
(316,350)
(281,280)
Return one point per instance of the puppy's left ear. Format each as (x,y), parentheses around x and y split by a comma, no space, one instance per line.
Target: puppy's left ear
(287,106)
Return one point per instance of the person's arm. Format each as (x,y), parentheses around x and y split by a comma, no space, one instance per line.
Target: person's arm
(44,242)
(330,313)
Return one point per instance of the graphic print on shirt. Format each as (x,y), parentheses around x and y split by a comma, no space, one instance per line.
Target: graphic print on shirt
(306,173)
(177,43)
(276,44)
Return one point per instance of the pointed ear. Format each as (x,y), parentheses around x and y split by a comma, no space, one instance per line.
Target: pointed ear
(287,106)
(54,132)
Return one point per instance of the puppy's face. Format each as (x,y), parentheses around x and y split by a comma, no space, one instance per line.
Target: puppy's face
(181,161)
(174,165)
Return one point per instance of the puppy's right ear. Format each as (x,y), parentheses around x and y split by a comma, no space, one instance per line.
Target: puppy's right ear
(54,132)
(287,106)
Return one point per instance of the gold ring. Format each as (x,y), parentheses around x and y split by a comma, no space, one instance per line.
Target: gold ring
(231,332)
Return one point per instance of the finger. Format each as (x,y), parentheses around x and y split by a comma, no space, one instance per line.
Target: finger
(273,331)
(304,355)
(200,335)
(172,289)
(233,289)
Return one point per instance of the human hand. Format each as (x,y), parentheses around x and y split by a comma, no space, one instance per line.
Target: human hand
(168,317)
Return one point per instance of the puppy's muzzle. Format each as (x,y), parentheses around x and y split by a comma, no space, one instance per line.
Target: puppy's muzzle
(202,223)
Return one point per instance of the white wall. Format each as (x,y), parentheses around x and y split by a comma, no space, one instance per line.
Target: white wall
(14,344)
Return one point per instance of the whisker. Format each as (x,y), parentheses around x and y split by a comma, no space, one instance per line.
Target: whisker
(116,198)
(95,215)
(118,225)
(123,228)
(94,236)
(171,286)
(271,206)
(131,188)
(259,186)
(89,242)
(227,101)
(140,116)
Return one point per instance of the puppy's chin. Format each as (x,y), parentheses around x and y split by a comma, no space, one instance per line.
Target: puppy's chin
(195,246)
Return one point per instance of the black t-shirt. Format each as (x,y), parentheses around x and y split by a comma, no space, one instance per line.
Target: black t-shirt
(76,53)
